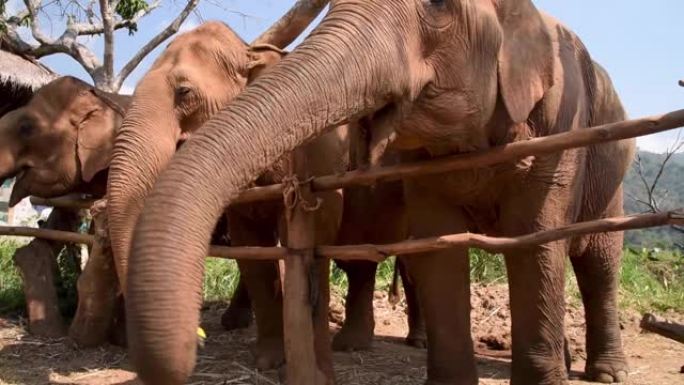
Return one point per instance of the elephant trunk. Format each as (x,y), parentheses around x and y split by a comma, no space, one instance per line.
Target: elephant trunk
(144,146)
(322,84)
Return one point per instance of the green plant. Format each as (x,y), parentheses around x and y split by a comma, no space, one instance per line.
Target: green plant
(652,279)
(11,294)
(221,276)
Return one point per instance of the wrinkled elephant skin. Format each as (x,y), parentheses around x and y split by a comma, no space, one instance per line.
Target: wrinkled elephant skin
(435,78)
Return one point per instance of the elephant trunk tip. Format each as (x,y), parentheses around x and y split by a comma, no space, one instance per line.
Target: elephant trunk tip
(170,372)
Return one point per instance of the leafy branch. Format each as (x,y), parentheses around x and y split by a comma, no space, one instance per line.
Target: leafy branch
(85,18)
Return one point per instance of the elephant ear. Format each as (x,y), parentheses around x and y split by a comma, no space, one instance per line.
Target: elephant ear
(261,58)
(526,58)
(99,118)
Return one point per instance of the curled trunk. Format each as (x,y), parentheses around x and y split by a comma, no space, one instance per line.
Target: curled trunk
(307,93)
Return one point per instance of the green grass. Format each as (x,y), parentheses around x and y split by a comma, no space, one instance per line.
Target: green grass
(651,279)
(221,276)
(11,295)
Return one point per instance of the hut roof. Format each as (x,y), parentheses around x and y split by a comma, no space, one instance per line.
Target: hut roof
(19,78)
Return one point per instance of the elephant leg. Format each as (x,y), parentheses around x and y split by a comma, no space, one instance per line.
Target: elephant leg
(597,271)
(442,285)
(359,324)
(262,280)
(416,336)
(239,312)
(536,283)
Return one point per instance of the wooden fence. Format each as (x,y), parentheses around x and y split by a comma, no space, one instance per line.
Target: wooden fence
(300,256)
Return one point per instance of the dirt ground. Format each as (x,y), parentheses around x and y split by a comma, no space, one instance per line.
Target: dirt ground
(226,359)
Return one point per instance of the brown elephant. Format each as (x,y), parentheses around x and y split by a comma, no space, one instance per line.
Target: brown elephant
(438,77)
(200,72)
(60,143)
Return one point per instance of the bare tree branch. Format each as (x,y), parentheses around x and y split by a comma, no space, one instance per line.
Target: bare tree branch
(154,43)
(92,28)
(107,13)
(82,20)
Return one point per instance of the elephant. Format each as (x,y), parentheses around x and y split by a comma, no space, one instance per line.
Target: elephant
(59,143)
(208,67)
(437,77)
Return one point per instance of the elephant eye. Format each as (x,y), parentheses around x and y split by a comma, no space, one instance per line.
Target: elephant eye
(26,129)
(183,91)
(438,14)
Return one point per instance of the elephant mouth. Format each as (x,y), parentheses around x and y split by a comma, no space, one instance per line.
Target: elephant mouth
(19,176)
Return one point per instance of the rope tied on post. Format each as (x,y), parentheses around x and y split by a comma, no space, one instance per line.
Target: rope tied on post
(292,195)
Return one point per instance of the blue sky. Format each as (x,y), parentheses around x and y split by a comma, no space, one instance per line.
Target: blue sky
(641,45)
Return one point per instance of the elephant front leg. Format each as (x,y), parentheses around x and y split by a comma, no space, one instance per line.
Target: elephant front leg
(597,270)
(263,283)
(359,324)
(443,289)
(537,288)
(417,336)
(239,312)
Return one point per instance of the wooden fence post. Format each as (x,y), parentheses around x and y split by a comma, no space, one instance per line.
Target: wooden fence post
(97,287)
(301,285)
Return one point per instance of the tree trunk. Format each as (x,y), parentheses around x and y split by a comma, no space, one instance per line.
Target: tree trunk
(37,264)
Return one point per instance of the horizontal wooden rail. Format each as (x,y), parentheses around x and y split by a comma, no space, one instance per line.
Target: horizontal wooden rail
(51,235)
(64,202)
(506,153)
(501,244)
(381,252)
(493,244)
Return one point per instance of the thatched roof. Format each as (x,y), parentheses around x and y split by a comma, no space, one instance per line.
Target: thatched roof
(19,78)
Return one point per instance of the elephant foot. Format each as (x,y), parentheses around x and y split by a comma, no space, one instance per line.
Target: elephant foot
(87,332)
(540,371)
(607,370)
(417,339)
(236,318)
(350,339)
(269,354)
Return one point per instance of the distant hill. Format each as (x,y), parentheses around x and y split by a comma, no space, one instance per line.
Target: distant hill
(670,193)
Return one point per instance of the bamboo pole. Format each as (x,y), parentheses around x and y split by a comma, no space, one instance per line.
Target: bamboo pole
(381,252)
(501,244)
(493,244)
(506,153)
(52,235)
(66,202)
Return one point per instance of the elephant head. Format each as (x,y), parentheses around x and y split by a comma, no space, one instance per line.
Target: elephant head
(199,73)
(427,73)
(60,140)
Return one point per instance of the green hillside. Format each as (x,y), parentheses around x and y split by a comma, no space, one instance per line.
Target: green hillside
(670,194)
